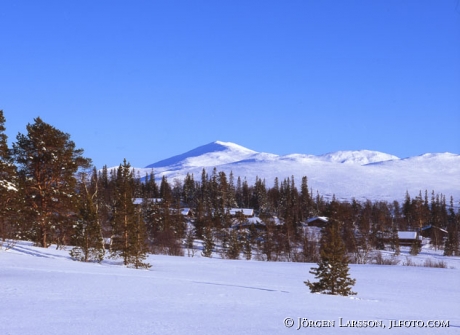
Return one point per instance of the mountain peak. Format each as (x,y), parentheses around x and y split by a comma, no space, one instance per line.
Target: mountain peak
(211,154)
(231,146)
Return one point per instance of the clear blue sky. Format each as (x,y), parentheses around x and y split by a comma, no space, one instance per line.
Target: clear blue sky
(146,80)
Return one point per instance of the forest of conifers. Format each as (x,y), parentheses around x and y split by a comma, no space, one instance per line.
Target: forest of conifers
(51,194)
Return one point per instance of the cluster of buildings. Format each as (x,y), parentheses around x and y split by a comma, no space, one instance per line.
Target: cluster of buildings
(246,217)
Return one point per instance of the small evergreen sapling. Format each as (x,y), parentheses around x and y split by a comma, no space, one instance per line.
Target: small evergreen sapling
(332,270)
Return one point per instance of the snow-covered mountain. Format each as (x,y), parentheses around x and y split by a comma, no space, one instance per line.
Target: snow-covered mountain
(212,154)
(360,174)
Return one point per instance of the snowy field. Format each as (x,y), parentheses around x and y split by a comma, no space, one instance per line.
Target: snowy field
(43,291)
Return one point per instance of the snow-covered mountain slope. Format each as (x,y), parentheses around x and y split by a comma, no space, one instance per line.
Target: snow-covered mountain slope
(212,154)
(360,157)
(360,174)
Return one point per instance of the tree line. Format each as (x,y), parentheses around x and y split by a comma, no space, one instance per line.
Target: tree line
(51,194)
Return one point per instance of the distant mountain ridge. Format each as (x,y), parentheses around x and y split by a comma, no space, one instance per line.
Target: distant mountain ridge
(218,153)
(361,157)
(361,174)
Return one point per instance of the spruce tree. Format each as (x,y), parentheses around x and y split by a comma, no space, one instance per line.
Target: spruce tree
(332,270)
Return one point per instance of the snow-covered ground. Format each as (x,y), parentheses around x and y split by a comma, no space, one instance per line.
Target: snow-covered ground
(42,291)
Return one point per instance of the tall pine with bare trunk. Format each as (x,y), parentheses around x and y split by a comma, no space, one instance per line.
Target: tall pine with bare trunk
(48,162)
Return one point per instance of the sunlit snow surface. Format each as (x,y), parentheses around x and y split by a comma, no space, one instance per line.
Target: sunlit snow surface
(42,291)
(359,174)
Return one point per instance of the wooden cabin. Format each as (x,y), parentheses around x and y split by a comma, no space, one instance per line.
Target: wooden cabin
(407,238)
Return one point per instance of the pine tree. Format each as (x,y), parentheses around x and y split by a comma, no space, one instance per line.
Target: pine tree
(452,245)
(208,242)
(268,238)
(232,190)
(9,190)
(234,246)
(309,247)
(123,214)
(87,239)
(239,193)
(138,243)
(305,199)
(394,241)
(165,191)
(332,270)
(129,230)
(189,190)
(189,242)
(48,162)
(416,246)
(247,247)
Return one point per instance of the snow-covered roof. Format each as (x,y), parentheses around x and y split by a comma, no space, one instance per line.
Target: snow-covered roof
(320,218)
(244,211)
(407,235)
(255,220)
(185,211)
(138,201)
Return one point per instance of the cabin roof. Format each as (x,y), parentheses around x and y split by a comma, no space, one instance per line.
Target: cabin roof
(320,218)
(244,211)
(138,201)
(407,235)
